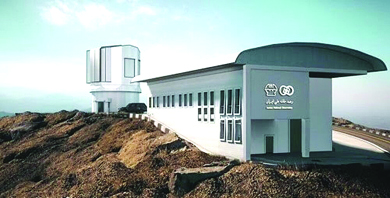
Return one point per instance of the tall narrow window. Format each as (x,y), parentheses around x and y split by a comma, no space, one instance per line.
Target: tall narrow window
(173,100)
(154,101)
(211,98)
(212,114)
(129,67)
(179,100)
(205,114)
(205,99)
(222,102)
(229,102)
(164,101)
(237,102)
(185,100)
(230,130)
(238,129)
(222,130)
(168,101)
(150,102)
(199,114)
(158,101)
(190,99)
(199,99)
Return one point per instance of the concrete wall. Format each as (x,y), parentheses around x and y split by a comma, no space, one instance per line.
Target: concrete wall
(320,114)
(279,129)
(184,120)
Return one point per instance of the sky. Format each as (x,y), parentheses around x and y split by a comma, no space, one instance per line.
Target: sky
(43,44)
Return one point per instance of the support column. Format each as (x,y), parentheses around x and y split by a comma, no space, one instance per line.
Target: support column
(305,138)
(106,107)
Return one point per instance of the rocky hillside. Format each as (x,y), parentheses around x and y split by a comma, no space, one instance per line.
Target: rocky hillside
(78,154)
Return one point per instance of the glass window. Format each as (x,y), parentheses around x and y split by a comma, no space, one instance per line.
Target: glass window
(190,99)
(230,130)
(154,101)
(205,114)
(168,101)
(199,114)
(173,100)
(129,67)
(229,101)
(237,135)
(179,100)
(222,130)
(158,101)
(163,101)
(150,102)
(237,102)
(222,102)
(211,98)
(185,100)
(211,114)
(199,99)
(205,99)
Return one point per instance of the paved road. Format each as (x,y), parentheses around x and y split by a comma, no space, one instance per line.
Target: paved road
(382,142)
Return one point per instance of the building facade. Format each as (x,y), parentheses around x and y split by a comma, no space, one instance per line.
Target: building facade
(272,99)
(109,71)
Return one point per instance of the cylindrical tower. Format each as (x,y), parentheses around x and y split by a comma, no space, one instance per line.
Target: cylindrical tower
(110,70)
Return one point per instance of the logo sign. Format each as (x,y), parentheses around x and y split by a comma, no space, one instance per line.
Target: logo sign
(271,89)
(286,90)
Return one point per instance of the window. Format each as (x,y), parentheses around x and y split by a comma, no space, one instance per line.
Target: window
(238,129)
(199,114)
(129,67)
(199,99)
(205,99)
(185,100)
(190,99)
(211,114)
(173,100)
(158,101)
(205,114)
(229,102)
(211,98)
(179,100)
(154,101)
(230,130)
(150,102)
(222,102)
(163,101)
(222,130)
(168,101)
(237,102)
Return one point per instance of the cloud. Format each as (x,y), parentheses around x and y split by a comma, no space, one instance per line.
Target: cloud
(145,10)
(55,15)
(94,15)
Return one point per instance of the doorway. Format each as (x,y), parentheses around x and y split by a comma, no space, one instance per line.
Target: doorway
(100,107)
(269,144)
(295,136)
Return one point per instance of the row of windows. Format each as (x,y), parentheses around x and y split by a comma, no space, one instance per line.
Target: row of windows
(206,117)
(169,101)
(229,103)
(231,132)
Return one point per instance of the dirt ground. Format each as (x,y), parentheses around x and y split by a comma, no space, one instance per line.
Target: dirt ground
(77,154)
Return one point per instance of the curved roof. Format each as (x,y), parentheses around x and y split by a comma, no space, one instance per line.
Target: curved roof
(311,55)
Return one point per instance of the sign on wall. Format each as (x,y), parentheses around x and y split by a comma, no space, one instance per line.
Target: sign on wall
(273,103)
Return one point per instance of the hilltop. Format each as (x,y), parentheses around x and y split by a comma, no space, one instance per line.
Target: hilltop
(79,154)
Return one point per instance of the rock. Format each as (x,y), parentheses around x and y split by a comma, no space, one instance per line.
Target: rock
(184,180)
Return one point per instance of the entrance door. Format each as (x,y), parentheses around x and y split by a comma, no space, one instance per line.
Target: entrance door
(100,107)
(295,136)
(269,144)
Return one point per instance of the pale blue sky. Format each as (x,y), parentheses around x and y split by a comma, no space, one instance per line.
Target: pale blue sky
(43,44)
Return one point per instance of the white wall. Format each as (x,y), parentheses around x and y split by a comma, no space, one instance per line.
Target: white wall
(279,129)
(184,120)
(320,114)
(116,99)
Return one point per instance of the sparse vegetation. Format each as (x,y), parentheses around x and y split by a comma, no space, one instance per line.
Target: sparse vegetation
(80,154)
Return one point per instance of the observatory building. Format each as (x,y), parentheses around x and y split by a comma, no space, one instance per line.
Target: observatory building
(109,71)
(272,99)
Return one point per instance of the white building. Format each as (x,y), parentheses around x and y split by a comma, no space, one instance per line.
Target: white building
(110,70)
(272,99)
